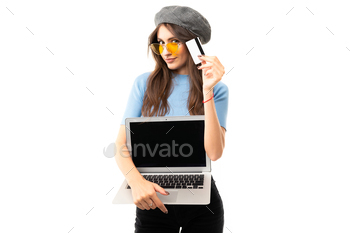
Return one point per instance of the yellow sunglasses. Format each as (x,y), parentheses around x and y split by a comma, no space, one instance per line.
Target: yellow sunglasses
(171,47)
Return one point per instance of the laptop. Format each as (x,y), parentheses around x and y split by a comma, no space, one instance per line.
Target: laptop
(169,151)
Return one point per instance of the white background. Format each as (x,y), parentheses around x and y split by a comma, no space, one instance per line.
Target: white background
(66,72)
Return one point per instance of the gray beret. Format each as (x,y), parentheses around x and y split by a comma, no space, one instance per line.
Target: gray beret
(187,18)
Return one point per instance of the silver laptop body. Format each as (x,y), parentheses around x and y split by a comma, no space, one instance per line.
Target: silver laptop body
(155,135)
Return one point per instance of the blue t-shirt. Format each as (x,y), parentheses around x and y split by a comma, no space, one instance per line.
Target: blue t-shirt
(177,100)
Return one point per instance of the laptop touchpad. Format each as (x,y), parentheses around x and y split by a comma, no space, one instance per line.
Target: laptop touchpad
(171,198)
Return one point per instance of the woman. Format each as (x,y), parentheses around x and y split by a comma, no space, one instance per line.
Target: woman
(164,92)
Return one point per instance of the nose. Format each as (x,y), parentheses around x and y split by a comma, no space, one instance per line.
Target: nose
(165,50)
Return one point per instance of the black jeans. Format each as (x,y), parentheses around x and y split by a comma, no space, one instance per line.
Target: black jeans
(192,218)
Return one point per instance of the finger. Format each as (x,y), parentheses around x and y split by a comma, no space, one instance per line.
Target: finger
(160,204)
(153,206)
(212,60)
(208,72)
(203,73)
(205,69)
(159,189)
(139,206)
(208,58)
(203,62)
(145,205)
(218,74)
(148,203)
(204,66)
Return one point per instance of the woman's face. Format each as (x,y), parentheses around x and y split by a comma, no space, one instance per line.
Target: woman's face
(178,60)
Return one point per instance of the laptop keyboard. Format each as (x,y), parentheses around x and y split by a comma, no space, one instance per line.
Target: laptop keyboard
(183,181)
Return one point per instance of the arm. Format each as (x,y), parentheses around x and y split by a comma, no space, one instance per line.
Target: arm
(123,158)
(143,191)
(214,134)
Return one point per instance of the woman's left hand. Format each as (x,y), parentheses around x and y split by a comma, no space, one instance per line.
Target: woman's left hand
(212,73)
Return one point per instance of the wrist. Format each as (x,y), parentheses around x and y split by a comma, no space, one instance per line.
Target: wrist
(134,178)
(207,95)
(208,92)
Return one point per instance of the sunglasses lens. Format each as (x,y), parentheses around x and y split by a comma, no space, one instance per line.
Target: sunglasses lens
(157,48)
(172,47)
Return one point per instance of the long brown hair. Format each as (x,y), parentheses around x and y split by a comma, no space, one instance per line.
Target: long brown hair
(160,85)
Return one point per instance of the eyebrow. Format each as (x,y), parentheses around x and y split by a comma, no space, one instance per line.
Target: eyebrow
(168,39)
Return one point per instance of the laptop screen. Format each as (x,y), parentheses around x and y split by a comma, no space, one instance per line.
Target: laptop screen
(168,143)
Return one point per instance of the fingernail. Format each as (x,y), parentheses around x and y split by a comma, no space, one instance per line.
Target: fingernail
(167,192)
(199,55)
(198,67)
(166,211)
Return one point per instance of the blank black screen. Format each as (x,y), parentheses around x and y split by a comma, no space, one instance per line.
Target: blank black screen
(168,143)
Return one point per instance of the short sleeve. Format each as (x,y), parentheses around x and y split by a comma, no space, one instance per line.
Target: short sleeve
(221,95)
(135,100)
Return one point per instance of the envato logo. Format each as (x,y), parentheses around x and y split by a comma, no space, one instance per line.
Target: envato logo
(110,151)
(168,151)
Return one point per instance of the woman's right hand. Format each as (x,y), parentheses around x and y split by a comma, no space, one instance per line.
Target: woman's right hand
(144,194)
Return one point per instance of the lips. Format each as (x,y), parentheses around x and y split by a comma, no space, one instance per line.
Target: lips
(170,60)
